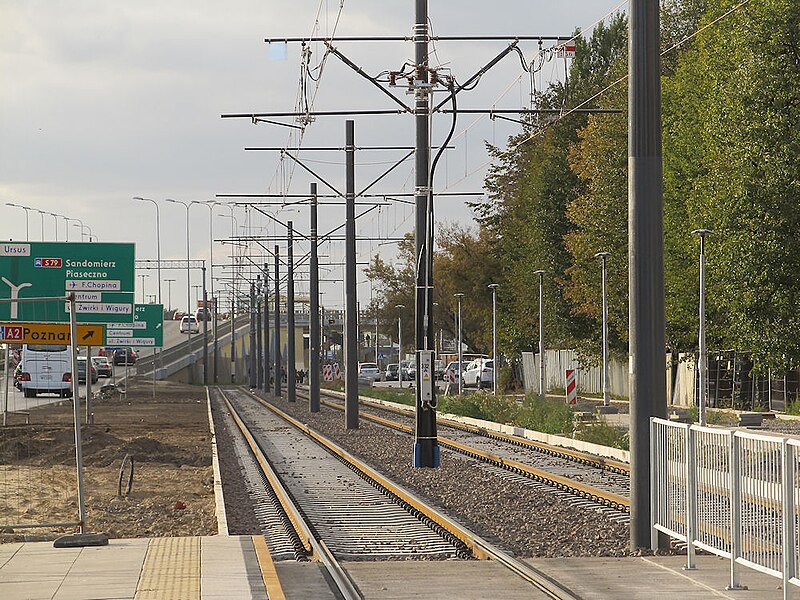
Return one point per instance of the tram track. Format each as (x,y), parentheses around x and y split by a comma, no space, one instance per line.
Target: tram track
(591,481)
(310,501)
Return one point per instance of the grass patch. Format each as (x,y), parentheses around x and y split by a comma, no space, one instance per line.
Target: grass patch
(605,435)
(793,408)
(546,415)
(399,395)
(713,417)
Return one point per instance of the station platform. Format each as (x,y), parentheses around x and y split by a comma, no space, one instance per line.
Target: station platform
(218,567)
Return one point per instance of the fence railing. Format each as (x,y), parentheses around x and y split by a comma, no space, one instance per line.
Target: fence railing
(733,493)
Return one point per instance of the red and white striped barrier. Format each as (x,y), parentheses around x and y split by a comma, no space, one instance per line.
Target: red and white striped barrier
(572,386)
(327,373)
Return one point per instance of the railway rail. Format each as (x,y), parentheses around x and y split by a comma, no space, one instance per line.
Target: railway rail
(592,481)
(340,508)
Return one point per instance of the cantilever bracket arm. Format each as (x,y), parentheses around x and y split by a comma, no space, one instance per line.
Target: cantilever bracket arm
(322,179)
(477,75)
(366,76)
(385,173)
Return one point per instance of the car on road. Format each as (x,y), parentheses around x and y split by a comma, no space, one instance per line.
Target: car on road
(178,315)
(369,372)
(438,369)
(189,324)
(479,373)
(82,370)
(45,369)
(123,356)
(202,314)
(102,365)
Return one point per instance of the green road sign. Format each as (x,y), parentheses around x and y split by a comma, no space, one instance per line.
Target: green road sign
(101,275)
(146,330)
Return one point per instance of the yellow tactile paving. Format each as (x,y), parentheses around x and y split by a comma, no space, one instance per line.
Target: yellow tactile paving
(268,572)
(171,570)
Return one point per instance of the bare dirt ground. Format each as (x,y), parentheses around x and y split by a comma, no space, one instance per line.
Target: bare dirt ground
(173,482)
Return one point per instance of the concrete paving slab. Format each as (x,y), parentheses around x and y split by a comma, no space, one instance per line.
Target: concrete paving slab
(229,569)
(303,581)
(439,580)
(656,577)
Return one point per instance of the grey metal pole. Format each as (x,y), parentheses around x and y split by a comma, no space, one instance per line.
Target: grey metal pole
(259,347)
(214,325)
(314,314)
(291,389)
(351,290)
(459,351)
(399,308)
(606,385)
(426,449)
(645,254)
(253,359)
(493,287)
(233,336)
(205,328)
(5,387)
(540,273)
(703,359)
(76,410)
(276,348)
(89,414)
(266,328)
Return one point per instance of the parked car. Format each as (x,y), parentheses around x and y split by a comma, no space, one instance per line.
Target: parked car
(391,372)
(123,356)
(452,372)
(479,372)
(189,324)
(409,370)
(82,371)
(102,365)
(369,372)
(438,369)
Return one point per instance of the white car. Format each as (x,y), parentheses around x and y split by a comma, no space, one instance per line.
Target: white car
(189,324)
(369,372)
(480,372)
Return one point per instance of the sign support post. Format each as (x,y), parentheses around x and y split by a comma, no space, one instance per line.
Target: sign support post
(76,409)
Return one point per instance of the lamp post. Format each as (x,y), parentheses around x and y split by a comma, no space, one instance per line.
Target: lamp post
(703,366)
(55,221)
(41,214)
(196,287)
(83,228)
(187,206)
(458,350)
(542,371)
(26,209)
(493,287)
(143,276)
(169,293)
(158,241)
(606,389)
(399,308)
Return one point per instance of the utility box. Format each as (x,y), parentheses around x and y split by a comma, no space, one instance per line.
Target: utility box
(426,375)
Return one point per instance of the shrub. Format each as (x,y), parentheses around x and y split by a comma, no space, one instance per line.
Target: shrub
(605,435)
(547,415)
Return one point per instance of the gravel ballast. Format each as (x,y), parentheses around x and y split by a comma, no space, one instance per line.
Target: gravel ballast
(521,519)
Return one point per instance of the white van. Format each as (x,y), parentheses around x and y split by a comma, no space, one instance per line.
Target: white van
(45,369)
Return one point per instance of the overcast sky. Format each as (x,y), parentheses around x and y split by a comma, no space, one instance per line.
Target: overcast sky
(103,100)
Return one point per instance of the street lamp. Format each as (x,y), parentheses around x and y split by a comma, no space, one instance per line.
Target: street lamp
(493,287)
(399,308)
(703,366)
(41,214)
(158,241)
(211,204)
(26,209)
(169,293)
(187,206)
(606,390)
(460,357)
(196,287)
(540,273)
(143,276)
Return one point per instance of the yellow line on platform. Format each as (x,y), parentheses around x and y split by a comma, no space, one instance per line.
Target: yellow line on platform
(268,572)
(171,570)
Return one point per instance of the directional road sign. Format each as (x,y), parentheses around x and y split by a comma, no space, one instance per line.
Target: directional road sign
(49,333)
(101,275)
(146,330)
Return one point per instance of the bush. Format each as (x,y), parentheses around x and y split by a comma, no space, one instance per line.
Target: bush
(546,415)
(605,435)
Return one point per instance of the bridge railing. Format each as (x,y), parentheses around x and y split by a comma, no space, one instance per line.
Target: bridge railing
(732,493)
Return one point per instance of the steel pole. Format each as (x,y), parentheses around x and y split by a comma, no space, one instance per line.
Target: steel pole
(645,255)
(426,449)
(291,389)
(205,329)
(76,409)
(259,347)
(493,287)
(702,358)
(276,348)
(314,312)
(253,359)
(459,350)
(542,361)
(603,272)
(266,328)
(351,290)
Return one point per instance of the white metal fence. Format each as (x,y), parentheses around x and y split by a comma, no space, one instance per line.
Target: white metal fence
(735,494)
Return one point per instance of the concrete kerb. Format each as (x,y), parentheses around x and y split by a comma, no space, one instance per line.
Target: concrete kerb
(219,499)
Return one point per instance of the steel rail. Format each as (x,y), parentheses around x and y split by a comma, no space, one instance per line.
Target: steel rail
(315,546)
(604,497)
(480,548)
